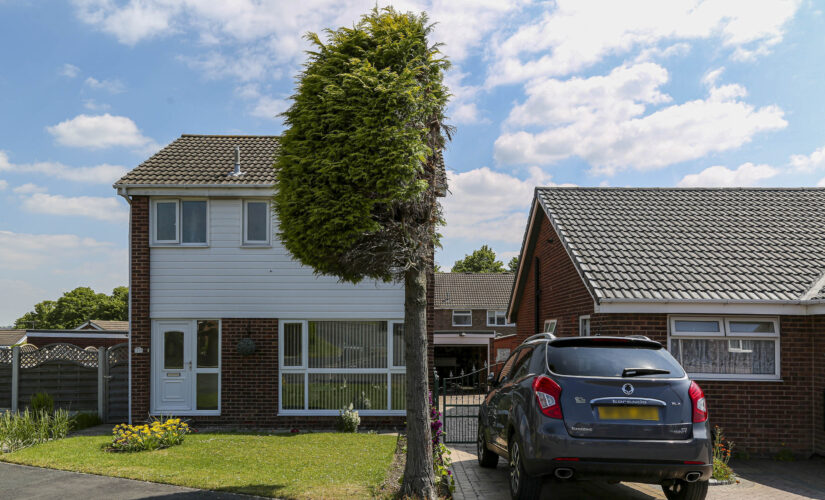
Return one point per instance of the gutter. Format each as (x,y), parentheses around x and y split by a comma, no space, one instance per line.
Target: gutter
(122,192)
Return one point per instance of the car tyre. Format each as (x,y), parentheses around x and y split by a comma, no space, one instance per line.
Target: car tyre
(522,485)
(682,490)
(486,458)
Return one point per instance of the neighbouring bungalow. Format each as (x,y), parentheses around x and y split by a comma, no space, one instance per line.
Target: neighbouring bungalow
(93,333)
(732,281)
(470,310)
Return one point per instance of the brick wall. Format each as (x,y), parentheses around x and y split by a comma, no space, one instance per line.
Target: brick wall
(818,370)
(444,322)
(140,325)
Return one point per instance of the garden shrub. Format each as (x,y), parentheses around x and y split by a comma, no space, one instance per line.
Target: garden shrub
(348,419)
(155,435)
(42,401)
(20,430)
(721,456)
(85,420)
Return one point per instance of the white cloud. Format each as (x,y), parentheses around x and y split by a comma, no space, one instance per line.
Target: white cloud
(745,175)
(29,188)
(43,266)
(98,174)
(101,131)
(601,119)
(3,185)
(809,163)
(105,209)
(69,70)
(268,107)
(821,183)
(489,206)
(93,105)
(110,86)
(579,33)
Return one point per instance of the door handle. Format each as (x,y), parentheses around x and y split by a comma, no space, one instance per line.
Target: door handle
(190,365)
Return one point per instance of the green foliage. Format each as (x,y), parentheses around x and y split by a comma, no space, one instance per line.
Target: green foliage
(20,430)
(157,434)
(357,162)
(482,260)
(722,450)
(348,419)
(84,421)
(784,455)
(42,402)
(75,308)
(512,266)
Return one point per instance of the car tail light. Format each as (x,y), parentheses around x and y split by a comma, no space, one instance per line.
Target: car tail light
(548,396)
(700,407)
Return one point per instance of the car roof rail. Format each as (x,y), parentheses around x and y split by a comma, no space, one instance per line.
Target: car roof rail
(539,336)
(640,337)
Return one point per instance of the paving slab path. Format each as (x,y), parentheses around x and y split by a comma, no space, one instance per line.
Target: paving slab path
(758,480)
(35,483)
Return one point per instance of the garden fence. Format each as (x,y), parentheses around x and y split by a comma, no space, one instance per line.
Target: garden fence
(84,380)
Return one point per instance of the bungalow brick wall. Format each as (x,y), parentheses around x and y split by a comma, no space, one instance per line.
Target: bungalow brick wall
(444,322)
(760,417)
(249,384)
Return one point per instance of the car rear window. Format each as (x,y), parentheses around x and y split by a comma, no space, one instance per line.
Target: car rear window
(601,361)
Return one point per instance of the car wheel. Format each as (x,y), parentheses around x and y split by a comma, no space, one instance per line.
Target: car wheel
(682,490)
(486,458)
(522,485)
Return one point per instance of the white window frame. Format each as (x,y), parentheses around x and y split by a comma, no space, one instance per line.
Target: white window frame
(462,313)
(725,333)
(550,326)
(390,370)
(582,319)
(178,241)
(496,314)
(256,243)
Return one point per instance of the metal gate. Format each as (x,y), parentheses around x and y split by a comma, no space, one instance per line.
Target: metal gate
(459,398)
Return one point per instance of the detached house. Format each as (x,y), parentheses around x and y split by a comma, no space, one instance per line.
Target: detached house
(732,281)
(225,326)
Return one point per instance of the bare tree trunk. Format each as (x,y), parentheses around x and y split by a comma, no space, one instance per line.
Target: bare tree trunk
(418,472)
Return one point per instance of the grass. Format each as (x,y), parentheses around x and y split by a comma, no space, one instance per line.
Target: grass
(317,465)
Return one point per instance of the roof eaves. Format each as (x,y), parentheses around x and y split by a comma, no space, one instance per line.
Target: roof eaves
(512,307)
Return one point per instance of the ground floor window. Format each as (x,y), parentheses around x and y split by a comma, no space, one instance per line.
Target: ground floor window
(328,365)
(730,347)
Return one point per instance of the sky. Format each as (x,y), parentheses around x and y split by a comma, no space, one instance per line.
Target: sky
(579,92)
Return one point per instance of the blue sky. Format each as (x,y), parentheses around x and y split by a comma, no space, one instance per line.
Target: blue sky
(632,93)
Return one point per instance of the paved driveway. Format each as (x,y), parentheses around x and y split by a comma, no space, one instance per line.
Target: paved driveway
(34,483)
(759,480)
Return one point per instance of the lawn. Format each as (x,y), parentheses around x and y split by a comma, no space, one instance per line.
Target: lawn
(316,465)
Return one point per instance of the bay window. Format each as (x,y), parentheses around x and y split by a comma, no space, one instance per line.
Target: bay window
(328,365)
(733,347)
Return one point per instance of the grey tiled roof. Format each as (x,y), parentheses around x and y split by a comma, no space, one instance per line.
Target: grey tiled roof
(693,244)
(111,325)
(472,290)
(207,160)
(11,337)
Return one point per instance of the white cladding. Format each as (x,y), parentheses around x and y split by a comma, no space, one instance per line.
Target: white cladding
(226,280)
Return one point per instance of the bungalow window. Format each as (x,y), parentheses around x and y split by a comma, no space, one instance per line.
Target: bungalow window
(462,318)
(726,347)
(497,318)
(328,365)
(181,222)
(256,223)
(584,326)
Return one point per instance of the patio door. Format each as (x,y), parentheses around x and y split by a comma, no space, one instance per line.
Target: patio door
(186,357)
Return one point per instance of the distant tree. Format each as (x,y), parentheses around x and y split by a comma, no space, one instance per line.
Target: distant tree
(76,307)
(482,260)
(513,264)
(357,175)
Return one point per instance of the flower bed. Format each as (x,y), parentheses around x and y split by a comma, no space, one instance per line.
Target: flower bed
(152,436)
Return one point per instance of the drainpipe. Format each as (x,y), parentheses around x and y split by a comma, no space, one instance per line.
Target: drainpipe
(122,192)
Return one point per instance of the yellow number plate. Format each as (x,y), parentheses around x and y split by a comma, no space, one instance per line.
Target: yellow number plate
(629,413)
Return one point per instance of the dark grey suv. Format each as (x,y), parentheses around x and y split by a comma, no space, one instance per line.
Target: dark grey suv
(608,408)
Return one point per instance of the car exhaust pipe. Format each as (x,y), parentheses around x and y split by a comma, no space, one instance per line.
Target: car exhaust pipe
(564,473)
(692,477)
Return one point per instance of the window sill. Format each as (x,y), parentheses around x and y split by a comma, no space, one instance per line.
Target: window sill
(256,246)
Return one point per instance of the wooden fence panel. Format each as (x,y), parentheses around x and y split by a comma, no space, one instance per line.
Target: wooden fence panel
(5,385)
(72,385)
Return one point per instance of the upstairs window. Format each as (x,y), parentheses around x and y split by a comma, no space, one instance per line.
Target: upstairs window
(462,318)
(256,223)
(497,318)
(181,222)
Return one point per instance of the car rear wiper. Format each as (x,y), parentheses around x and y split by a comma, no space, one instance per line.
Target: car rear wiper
(635,372)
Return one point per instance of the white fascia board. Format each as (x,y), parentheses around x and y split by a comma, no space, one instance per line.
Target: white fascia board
(456,339)
(69,335)
(706,307)
(199,191)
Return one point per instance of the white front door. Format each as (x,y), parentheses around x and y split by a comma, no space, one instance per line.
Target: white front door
(172,346)
(186,367)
